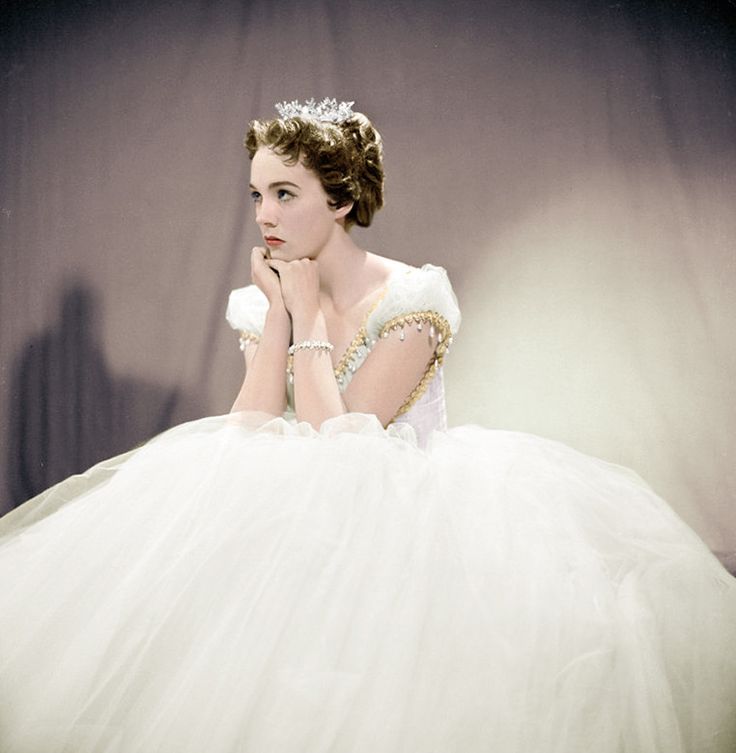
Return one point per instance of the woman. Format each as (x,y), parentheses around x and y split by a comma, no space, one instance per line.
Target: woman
(355,578)
(306,200)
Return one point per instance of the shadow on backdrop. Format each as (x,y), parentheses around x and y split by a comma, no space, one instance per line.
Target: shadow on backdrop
(68,411)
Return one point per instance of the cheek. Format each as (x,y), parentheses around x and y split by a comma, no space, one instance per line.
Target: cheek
(310,221)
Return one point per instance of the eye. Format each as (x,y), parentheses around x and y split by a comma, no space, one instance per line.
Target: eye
(284,195)
(255,196)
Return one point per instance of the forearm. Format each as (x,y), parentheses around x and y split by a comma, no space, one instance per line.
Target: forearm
(316,394)
(264,386)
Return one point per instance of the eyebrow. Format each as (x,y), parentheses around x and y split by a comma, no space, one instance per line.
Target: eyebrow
(277,184)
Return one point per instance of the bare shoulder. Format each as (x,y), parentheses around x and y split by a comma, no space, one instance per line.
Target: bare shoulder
(388,267)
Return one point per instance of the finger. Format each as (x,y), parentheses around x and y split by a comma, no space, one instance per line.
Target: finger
(277,265)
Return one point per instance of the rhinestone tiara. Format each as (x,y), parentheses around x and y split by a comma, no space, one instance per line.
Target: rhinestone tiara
(326,111)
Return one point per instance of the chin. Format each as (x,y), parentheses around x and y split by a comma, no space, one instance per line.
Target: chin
(281,255)
(276,253)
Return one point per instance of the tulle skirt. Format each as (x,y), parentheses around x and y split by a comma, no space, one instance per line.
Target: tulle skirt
(234,586)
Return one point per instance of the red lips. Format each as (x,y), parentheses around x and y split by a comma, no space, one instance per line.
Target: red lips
(272,240)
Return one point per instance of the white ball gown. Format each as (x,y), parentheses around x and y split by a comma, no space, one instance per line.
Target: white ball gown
(241,586)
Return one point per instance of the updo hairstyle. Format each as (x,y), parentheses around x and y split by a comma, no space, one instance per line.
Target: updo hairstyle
(347,157)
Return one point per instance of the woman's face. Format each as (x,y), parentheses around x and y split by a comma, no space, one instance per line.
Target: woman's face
(292,209)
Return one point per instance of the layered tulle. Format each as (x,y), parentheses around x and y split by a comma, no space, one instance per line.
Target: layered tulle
(264,588)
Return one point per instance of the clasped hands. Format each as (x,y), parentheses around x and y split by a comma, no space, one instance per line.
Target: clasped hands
(296,286)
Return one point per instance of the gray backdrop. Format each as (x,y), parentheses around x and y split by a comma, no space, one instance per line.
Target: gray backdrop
(570,163)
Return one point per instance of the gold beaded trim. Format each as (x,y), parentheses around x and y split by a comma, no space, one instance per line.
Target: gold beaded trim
(361,337)
(247,337)
(439,327)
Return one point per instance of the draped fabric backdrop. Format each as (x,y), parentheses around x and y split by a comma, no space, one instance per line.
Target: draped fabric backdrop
(570,163)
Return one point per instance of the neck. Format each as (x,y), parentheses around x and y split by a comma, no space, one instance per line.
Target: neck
(342,270)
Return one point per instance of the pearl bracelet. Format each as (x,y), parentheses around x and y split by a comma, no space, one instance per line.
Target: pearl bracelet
(311,345)
(305,345)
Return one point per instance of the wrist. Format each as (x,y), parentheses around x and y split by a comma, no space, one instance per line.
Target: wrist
(278,323)
(277,312)
(309,325)
(305,312)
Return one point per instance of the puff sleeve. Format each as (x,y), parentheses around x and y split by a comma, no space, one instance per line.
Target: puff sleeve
(246,312)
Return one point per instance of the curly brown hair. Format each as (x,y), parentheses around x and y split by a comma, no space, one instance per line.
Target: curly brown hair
(347,157)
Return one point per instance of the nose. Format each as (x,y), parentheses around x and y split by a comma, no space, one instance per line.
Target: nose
(267,213)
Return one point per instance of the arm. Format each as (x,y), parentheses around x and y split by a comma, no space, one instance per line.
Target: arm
(316,394)
(393,370)
(264,385)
